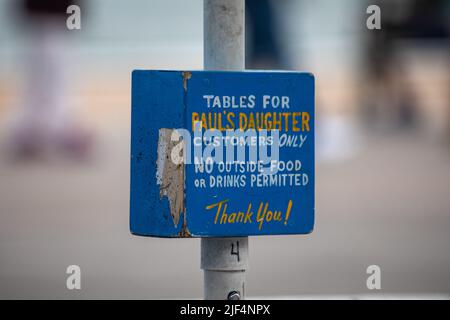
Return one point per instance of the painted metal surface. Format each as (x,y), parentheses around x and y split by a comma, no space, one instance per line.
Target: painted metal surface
(183,201)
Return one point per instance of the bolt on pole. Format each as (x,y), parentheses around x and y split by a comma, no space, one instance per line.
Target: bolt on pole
(224,260)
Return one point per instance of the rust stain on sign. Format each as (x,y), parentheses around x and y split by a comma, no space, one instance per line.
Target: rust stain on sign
(184,232)
(186,76)
(170,173)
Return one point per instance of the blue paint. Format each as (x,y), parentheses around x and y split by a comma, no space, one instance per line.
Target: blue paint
(159,100)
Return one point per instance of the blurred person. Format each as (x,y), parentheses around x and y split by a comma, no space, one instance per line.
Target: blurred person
(390,95)
(44,121)
(263,46)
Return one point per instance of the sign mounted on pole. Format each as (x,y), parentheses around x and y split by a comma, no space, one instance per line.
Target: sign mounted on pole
(222,154)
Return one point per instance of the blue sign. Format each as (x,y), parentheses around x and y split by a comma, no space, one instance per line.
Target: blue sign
(218,154)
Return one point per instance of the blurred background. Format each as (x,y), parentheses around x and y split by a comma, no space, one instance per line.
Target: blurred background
(383,147)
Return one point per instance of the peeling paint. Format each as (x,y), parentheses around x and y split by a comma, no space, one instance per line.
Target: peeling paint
(169,175)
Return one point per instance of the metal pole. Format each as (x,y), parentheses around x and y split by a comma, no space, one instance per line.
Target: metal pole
(224,260)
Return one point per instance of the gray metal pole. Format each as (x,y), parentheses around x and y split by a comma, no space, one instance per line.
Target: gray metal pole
(224,260)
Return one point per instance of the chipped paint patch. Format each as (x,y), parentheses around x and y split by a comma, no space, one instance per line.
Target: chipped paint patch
(169,175)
